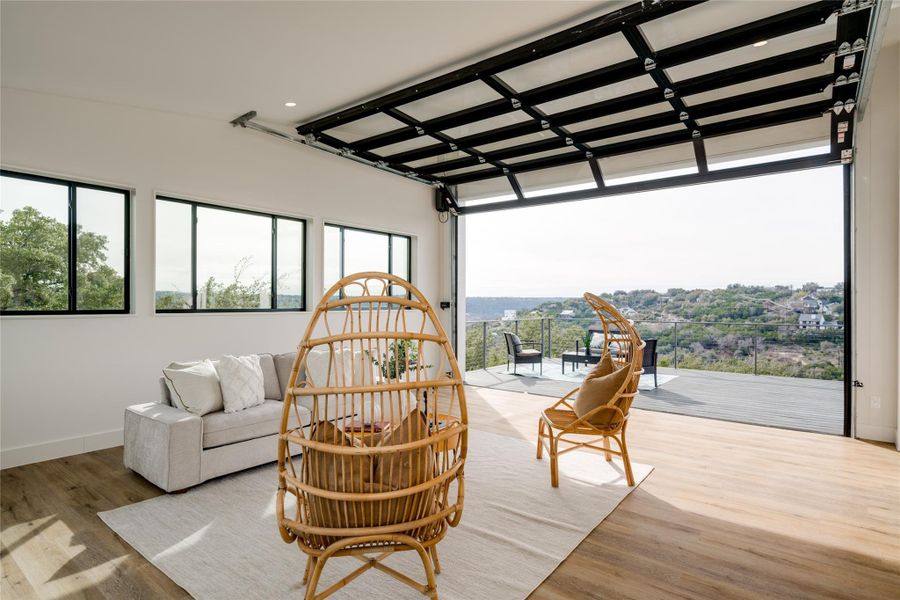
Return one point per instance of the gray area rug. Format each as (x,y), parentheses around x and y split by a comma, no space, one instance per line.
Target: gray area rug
(219,540)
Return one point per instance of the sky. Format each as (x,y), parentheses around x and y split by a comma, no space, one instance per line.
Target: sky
(784,229)
(98,211)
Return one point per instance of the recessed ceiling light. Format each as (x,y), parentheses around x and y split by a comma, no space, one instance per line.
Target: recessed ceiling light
(760,44)
(293,104)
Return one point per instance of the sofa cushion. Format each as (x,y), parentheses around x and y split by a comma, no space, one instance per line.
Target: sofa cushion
(270,377)
(194,388)
(221,428)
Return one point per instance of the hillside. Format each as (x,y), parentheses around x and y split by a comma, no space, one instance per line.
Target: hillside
(740,329)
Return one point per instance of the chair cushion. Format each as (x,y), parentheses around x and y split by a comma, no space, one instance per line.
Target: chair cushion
(529,352)
(599,390)
(221,428)
(270,377)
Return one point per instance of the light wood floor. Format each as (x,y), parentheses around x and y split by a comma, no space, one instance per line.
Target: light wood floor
(731,511)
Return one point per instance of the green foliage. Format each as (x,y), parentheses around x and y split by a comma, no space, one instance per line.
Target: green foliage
(238,293)
(401,355)
(34,266)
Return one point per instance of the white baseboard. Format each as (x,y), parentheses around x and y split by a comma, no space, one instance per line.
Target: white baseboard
(878,433)
(24,455)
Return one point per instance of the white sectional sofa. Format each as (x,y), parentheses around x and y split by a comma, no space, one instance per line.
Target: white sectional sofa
(175,449)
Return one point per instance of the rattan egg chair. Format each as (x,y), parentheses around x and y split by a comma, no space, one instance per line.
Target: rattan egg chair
(382,465)
(605,422)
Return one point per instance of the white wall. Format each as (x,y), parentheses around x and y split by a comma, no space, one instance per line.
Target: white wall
(876,218)
(65,380)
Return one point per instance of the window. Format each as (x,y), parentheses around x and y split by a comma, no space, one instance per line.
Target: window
(350,250)
(64,246)
(213,259)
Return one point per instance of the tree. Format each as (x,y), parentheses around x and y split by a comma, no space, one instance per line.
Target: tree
(34,274)
(238,293)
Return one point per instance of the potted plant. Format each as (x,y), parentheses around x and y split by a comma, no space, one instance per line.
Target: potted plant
(400,355)
(586,340)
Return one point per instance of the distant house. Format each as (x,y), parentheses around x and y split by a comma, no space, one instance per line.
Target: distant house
(810,304)
(629,312)
(509,315)
(811,321)
(567,314)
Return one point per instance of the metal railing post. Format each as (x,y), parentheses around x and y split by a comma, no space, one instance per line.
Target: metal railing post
(484,344)
(517,327)
(755,347)
(549,338)
(676,344)
(542,337)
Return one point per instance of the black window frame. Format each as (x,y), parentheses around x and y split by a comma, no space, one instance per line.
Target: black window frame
(72,242)
(342,271)
(194,204)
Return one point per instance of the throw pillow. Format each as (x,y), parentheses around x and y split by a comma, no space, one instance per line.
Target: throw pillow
(401,470)
(242,384)
(194,387)
(599,390)
(283,365)
(270,377)
(606,366)
(410,467)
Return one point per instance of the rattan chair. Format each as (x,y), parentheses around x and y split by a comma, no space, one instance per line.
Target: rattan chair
(606,422)
(382,466)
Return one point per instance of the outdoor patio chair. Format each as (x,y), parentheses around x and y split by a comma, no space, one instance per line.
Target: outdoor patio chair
(650,358)
(518,354)
(624,350)
(382,467)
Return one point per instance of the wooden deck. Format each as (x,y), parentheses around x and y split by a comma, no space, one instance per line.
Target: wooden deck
(786,402)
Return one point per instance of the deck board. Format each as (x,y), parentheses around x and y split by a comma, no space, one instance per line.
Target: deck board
(787,402)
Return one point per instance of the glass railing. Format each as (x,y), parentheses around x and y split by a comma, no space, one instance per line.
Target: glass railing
(787,350)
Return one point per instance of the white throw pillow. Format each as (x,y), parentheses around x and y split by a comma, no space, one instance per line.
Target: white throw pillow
(242,382)
(194,387)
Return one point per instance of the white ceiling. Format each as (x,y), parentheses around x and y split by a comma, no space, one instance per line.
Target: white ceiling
(221,59)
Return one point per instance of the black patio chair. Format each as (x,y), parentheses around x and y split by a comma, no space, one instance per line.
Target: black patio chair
(650,358)
(518,354)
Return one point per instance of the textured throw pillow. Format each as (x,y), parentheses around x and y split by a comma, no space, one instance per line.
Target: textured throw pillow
(242,384)
(194,387)
(598,390)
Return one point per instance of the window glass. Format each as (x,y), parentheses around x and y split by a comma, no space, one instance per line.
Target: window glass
(349,250)
(100,256)
(224,260)
(290,263)
(332,262)
(234,260)
(34,245)
(173,255)
(365,251)
(36,270)
(400,261)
